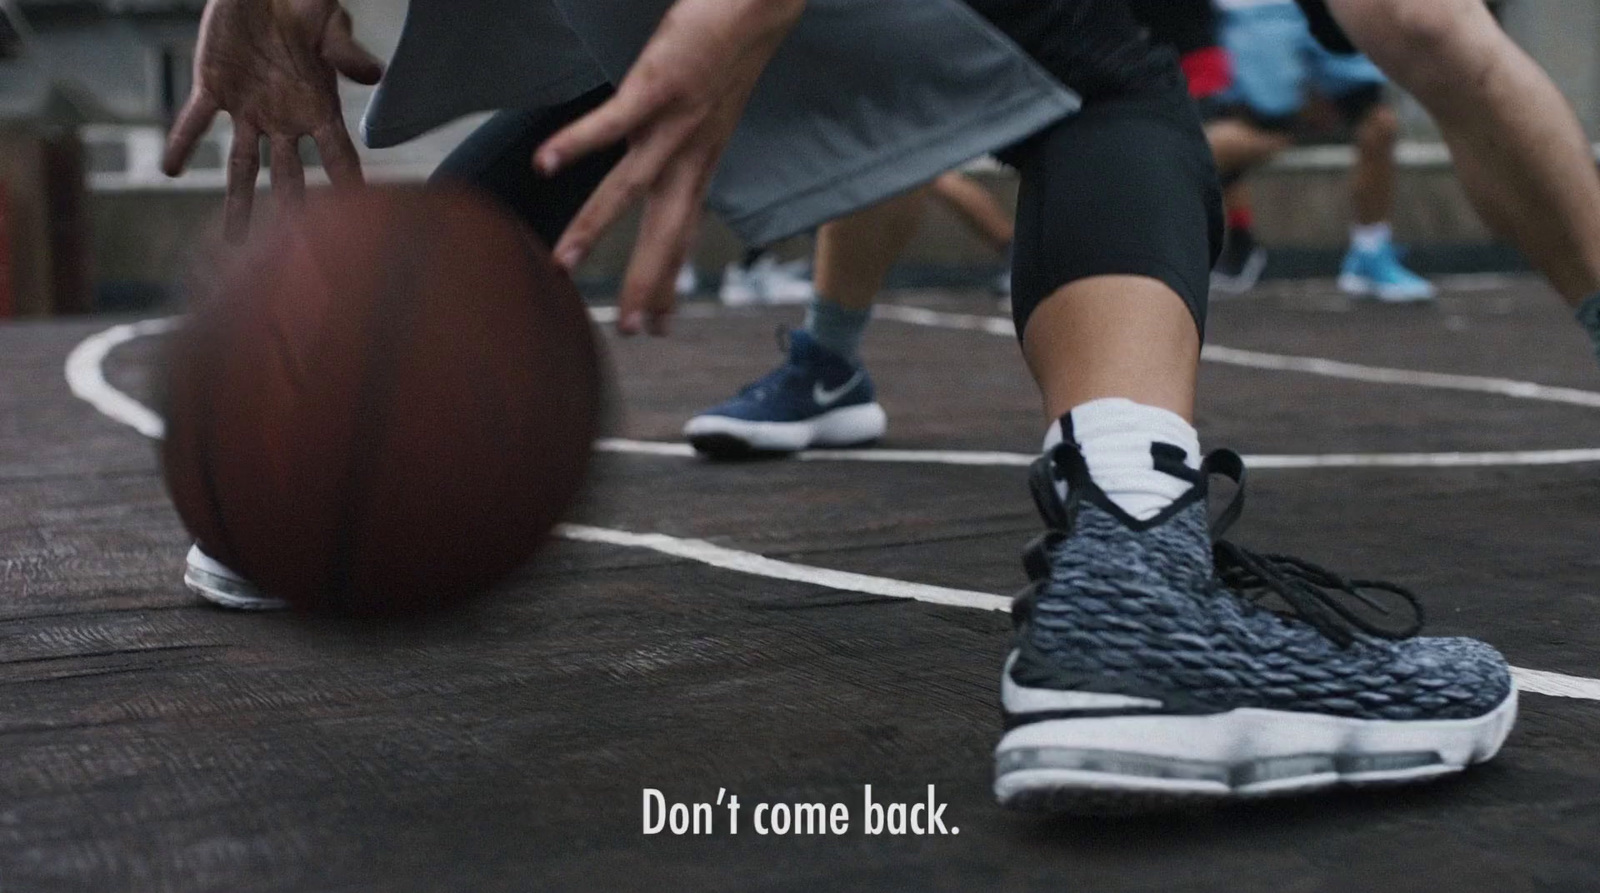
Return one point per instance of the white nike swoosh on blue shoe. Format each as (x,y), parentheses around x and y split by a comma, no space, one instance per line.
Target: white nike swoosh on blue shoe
(829,396)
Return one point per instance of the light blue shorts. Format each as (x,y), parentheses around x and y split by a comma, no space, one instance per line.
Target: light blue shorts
(1276,61)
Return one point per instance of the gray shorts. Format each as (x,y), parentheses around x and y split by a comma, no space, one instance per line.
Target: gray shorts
(866,98)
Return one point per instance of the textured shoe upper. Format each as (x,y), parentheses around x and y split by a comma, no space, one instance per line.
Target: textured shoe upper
(1139,609)
(1383,268)
(813,380)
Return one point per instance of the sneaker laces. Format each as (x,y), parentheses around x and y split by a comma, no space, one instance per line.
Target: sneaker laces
(778,375)
(1309,592)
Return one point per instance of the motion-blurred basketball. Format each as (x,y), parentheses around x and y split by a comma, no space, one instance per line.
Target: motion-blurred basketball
(382,404)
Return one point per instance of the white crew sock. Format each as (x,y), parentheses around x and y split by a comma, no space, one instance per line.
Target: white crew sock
(1115,436)
(1369,237)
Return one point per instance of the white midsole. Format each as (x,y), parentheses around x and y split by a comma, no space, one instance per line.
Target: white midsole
(838,427)
(1250,734)
(216,583)
(1351,284)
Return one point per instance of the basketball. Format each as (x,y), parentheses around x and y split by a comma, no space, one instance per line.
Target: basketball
(381,404)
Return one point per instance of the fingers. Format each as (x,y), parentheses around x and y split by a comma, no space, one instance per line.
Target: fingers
(349,58)
(244,163)
(665,233)
(648,294)
(615,194)
(339,158)
(192,123)
(288,174)
(622,114)
(637,172)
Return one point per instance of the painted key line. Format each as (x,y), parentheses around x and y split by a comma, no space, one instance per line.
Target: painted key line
(86,379)
(1250,359)
(1540,682)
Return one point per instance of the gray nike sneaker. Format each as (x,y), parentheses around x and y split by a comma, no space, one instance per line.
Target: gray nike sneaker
(1154,667)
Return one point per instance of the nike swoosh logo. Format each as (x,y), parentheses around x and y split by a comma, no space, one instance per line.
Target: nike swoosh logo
(825,397)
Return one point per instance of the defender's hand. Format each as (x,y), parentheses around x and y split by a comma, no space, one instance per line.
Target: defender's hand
(677,108)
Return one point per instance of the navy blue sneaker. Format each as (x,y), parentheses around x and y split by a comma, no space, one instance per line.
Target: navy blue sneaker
(1154,667)
(816,398)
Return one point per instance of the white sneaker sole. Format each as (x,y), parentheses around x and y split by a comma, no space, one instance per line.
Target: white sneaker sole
(1135,763)
(1362,287)
(717,435)
(212,582)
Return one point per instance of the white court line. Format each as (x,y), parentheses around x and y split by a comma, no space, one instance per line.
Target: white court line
(644,447)
(1541,682)
(1503,387)
(1231,356)
(87,380)
(1258,462)
(762,566)
(86,375)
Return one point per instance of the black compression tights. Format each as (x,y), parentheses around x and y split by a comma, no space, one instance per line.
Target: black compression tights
(498,159)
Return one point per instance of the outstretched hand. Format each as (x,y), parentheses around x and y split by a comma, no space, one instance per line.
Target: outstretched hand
(677,109)
(273,66)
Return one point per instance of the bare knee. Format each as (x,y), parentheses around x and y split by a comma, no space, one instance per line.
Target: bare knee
(1379,129)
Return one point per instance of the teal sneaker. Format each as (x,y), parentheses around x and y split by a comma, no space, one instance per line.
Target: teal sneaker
(1379,274)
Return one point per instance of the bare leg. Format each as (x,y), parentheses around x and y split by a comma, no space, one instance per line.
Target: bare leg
(977,208)
(854,253)
(1239,145)
(1522,155)
(1372,179)
(1114,336)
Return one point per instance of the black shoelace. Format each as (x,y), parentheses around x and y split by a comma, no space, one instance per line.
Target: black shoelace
(1307,591)
(1311,592)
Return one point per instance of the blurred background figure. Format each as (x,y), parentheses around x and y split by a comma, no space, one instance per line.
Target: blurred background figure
(1277,66)
(760,277)
(757,277)
(977,208)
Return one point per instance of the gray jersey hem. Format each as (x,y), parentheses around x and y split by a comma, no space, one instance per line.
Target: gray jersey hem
(904,166)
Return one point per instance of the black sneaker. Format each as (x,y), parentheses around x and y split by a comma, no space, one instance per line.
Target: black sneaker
(1148,671)
(1240,266)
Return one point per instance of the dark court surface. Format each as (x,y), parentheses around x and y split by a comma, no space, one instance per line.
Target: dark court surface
(150,743)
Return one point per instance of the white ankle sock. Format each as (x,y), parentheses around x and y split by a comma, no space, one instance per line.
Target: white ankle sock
(1115,436)
(1369,237)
